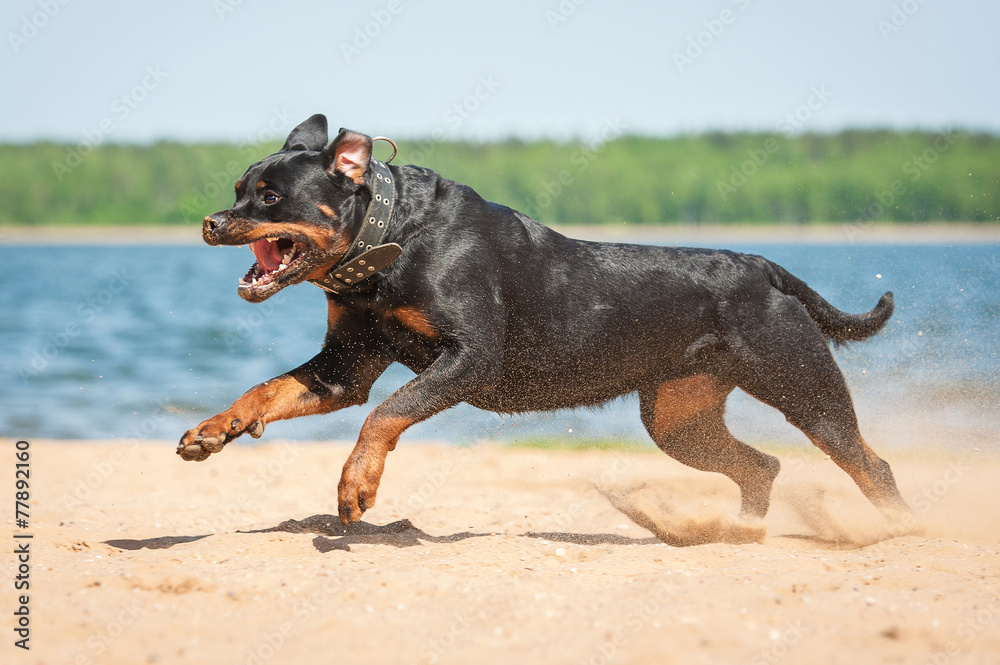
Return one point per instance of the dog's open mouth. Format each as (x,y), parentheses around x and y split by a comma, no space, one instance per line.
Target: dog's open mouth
(279,260)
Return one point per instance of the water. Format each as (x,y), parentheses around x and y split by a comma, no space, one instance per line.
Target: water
(104,342)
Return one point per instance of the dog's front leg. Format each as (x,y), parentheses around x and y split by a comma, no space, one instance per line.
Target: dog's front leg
(285,396)
(325,383)
(452,378)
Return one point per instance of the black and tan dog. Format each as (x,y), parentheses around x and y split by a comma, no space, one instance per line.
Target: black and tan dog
(491,308)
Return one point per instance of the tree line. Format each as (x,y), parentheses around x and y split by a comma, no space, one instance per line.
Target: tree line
(858,175)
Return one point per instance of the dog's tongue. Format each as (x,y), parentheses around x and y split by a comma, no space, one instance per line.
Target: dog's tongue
(267,254)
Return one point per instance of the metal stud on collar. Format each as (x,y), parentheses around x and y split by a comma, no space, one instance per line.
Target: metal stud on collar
(369,254)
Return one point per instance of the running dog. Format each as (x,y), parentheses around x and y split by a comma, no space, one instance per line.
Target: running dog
(489,307)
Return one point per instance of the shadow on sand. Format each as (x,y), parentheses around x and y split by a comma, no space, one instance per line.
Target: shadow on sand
(591,538)
(161,543)
(332,534)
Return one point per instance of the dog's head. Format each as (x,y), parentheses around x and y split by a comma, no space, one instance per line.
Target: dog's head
(297,209)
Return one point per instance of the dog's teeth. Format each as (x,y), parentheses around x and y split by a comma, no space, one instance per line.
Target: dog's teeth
(240,246)
(287,258)
(272,239)
(243,282)
(282,266)
(255,281)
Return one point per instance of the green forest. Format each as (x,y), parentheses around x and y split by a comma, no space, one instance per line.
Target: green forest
(750,178)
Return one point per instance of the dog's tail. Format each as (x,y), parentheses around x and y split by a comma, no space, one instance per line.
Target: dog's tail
(838,326)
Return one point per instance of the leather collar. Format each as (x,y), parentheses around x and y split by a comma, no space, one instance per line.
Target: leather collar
(367,255)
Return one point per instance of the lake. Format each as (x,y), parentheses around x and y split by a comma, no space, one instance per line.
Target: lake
(146,341)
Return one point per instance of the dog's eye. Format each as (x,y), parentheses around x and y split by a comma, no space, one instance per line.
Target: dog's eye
(270,198)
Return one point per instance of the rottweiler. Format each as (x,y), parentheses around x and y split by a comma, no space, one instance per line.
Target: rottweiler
(488,306)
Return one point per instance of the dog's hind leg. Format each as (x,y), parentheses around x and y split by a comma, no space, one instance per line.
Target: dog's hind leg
(686,418)
(788,365)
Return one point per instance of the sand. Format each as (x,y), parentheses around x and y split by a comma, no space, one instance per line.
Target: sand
(494,554)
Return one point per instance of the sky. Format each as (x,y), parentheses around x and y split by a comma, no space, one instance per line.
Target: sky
(249,70)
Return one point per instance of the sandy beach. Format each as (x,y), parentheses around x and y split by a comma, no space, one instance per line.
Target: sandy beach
(493,554)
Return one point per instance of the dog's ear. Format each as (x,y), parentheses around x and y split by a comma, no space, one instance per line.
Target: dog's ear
(349,154)
(310,135)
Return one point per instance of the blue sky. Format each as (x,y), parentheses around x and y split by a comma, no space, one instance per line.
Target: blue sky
(240,70)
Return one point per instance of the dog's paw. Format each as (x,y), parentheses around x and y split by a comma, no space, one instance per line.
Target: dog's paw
(356,490)
(198,443)
(212,435)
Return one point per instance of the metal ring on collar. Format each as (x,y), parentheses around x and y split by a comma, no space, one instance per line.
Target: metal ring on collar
(390,142)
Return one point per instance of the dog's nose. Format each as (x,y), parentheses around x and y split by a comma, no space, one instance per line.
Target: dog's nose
(216,221)
(213,226)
